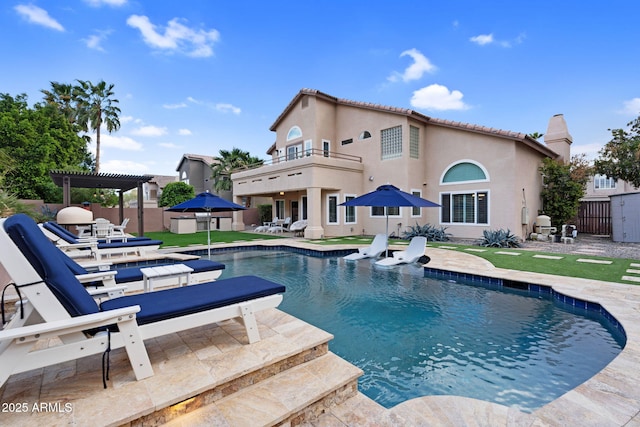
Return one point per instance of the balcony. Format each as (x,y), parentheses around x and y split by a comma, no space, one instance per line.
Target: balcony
(310,168)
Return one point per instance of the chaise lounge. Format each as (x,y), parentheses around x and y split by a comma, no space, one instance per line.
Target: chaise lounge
(203,270)
(378,245)
(75,246)
(412,254)
(54,304)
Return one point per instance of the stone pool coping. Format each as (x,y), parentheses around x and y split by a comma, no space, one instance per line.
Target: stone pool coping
(609,398)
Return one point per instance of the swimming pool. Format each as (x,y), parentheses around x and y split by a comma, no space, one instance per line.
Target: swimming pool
(414,336)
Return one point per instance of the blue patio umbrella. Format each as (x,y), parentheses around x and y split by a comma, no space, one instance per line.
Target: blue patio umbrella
(389,196)
(206,202)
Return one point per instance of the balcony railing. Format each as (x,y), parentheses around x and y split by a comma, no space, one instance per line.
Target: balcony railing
(300,155)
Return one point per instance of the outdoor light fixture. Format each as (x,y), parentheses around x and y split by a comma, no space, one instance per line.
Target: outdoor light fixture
(371,178)
(282,193)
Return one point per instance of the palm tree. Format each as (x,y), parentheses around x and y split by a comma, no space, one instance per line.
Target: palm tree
(61,96)
(226,163)
(94,107)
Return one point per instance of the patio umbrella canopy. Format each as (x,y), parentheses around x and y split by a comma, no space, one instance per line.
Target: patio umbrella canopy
(389,196)
(206,202)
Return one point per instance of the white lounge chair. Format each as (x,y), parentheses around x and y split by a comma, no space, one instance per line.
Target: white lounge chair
(55,305)
(77,247)
(413,252)
(378,245)
(118,230)
(297,228)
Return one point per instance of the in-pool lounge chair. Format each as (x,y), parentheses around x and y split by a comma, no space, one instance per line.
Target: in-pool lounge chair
(374,250)
(203,270)
(56,305)
(412,254)
(76,247)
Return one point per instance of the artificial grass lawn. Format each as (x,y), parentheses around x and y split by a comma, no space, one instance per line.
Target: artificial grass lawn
(200,238)
(567,266)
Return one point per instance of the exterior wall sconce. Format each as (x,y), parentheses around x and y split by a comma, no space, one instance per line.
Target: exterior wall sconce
(371,178)
(282,193)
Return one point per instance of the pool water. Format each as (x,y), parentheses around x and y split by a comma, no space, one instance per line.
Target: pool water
(414,336)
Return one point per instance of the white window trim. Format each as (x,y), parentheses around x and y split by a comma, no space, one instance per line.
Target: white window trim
(301,208)
(416,190)
(328,151)
(445,170)
(385,210)
(355,211)
(475,219)
(297,134)
(337,196)
(284,208)
(308,145)
(298,151)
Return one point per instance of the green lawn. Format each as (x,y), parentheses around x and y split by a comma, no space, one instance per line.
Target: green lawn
(568,265)
(200,238)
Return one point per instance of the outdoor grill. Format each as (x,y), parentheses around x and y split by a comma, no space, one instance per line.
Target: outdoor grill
(201,220)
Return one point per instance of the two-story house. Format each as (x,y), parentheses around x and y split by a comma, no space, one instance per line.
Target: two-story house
(329,150)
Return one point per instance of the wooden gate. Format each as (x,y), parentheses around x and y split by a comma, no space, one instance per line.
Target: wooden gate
(594,218)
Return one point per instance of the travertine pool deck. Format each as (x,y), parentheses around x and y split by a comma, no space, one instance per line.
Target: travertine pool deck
(610,398)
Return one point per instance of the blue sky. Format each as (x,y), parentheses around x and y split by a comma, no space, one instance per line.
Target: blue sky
(197,76)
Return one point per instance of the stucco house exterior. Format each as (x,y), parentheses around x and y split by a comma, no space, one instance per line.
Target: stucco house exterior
(195,170)
(328,150)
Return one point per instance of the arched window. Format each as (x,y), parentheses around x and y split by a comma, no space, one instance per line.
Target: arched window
(364,135)
(470,206)
(465,171)
(294,132)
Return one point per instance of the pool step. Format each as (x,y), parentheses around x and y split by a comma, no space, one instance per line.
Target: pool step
(299,394)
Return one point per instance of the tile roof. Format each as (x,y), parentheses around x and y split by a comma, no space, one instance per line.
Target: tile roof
(526,139)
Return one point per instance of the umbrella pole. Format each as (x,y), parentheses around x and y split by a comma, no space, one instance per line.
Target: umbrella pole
(387,211)
(209,235)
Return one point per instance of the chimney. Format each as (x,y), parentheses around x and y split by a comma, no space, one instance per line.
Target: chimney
(558,138)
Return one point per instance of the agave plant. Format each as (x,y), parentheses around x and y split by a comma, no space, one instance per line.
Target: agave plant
(499,239)
(431,232)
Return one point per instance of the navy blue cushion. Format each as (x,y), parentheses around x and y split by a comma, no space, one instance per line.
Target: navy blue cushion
(49,262)
(129,244)
(69,237)
(133,274)
(175,302)
(61,232)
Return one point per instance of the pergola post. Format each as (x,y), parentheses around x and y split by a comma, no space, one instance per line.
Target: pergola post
(140,210)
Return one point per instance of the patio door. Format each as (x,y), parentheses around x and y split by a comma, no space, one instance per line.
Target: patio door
(294,211)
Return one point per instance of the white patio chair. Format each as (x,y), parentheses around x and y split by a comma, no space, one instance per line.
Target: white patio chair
(378,245)
(413,252)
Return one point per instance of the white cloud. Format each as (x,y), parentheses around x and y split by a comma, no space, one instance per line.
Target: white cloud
(415,71)
(126,167)
(98,3)
(184,132)
(168,145)
(193,100)
(631,107)
(228,108)
(119,142)
(438,97)
(38,16)
(176,37)
(94,41)
(485,39)
(149,131)
(174,106)
(126,119)
(482,39)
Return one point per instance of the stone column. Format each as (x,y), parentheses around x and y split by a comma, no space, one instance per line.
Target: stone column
(314,228)
(238,216)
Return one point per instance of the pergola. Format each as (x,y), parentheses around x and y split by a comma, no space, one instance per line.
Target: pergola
(123,183)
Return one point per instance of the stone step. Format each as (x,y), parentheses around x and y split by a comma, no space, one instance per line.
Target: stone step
(299,394)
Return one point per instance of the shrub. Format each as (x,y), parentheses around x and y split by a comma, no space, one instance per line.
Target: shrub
(431,232)
(499,239)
